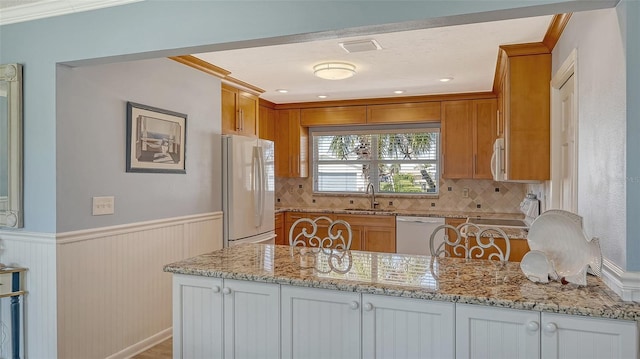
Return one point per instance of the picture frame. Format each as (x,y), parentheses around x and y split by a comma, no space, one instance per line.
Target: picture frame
(156,139)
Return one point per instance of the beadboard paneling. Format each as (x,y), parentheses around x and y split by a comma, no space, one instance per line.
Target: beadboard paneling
(35,251)
(112,293)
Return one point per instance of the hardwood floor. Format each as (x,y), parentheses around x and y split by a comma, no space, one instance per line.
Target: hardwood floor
(163,350)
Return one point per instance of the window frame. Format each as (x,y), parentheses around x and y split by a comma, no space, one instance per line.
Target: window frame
(374,162)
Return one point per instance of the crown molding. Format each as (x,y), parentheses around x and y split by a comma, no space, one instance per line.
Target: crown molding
(49,8)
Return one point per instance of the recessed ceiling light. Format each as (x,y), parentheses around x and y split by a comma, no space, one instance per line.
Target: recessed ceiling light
(334,70)
(282,90)
(446,79)
(322,96)
(398,91)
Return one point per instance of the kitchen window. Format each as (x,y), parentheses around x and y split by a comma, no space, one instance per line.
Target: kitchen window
(402,161)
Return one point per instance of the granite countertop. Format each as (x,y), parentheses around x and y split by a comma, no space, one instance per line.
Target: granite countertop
(399,212)
(443,279)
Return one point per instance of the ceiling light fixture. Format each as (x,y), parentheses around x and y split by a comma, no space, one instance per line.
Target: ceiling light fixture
(282,90)
(334,70)
(446,79)
(322,96)
(398,92)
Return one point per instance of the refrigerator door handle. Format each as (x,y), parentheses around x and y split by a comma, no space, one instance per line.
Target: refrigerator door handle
(263,184)
(255,186)
(258,186)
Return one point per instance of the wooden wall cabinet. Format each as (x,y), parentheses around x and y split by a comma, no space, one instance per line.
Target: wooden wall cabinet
(332,116)
(291,145)
(523,89)
(267,123)
(468,133)
(411,112)
(239,112)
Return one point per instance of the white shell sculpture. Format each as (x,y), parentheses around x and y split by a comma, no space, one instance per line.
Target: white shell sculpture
(560,236)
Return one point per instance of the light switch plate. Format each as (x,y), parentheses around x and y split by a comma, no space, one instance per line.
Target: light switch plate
(465,192)
(103,205)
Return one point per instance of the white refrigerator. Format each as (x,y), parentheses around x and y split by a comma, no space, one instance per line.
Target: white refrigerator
(248,182)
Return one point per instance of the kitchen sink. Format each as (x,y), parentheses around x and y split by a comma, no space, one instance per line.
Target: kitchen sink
(369,209)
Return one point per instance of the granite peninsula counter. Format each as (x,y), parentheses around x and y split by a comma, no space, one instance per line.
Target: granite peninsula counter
(487,285)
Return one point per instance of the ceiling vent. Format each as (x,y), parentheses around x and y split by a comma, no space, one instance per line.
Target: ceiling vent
(360,45)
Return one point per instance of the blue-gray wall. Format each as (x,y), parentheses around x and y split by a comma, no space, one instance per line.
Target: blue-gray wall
(630,19)
(160,28)
(91,118)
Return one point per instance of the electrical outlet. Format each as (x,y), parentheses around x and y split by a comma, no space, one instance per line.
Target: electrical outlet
(103,205)
(465,192)
(290,190)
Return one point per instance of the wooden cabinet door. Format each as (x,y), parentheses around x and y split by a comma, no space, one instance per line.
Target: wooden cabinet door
(568,336)
(229,104)
(251,320)
(412,112)
(291,145)
(457,135)
(266,123)
(379,239)
(248,114)
(484,129)
(527,117)
(489,332)
(407,328)
(320,323)
(281,237)
(329,116)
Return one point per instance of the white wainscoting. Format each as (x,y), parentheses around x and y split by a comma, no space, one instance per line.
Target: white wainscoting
(113,299)
(37,252)
(107,296)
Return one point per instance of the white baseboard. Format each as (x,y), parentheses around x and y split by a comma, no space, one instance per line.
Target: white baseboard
(143,345)
(625,284)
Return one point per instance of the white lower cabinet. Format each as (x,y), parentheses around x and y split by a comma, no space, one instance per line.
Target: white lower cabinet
(395,327)
(489,332)
(319,323)
(566,336)
(215,318)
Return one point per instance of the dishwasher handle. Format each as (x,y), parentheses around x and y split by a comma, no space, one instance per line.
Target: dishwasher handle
(420,219)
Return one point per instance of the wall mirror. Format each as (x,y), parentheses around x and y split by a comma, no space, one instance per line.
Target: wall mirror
(10,146)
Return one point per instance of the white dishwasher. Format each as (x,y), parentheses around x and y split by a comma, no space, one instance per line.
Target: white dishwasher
(413,233)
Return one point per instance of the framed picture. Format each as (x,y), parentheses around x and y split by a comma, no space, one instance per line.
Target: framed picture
(156,139)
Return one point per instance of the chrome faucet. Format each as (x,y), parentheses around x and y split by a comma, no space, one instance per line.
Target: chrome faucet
(373,195)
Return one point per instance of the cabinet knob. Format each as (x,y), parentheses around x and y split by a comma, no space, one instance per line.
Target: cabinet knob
(550,327)
(368,307)
(354,305)
(216,289)
(226,291)
(533,326)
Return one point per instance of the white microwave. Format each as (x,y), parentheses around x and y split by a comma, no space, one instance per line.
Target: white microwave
(497,160)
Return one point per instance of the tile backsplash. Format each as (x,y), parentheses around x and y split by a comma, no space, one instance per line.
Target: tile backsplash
(484,196)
